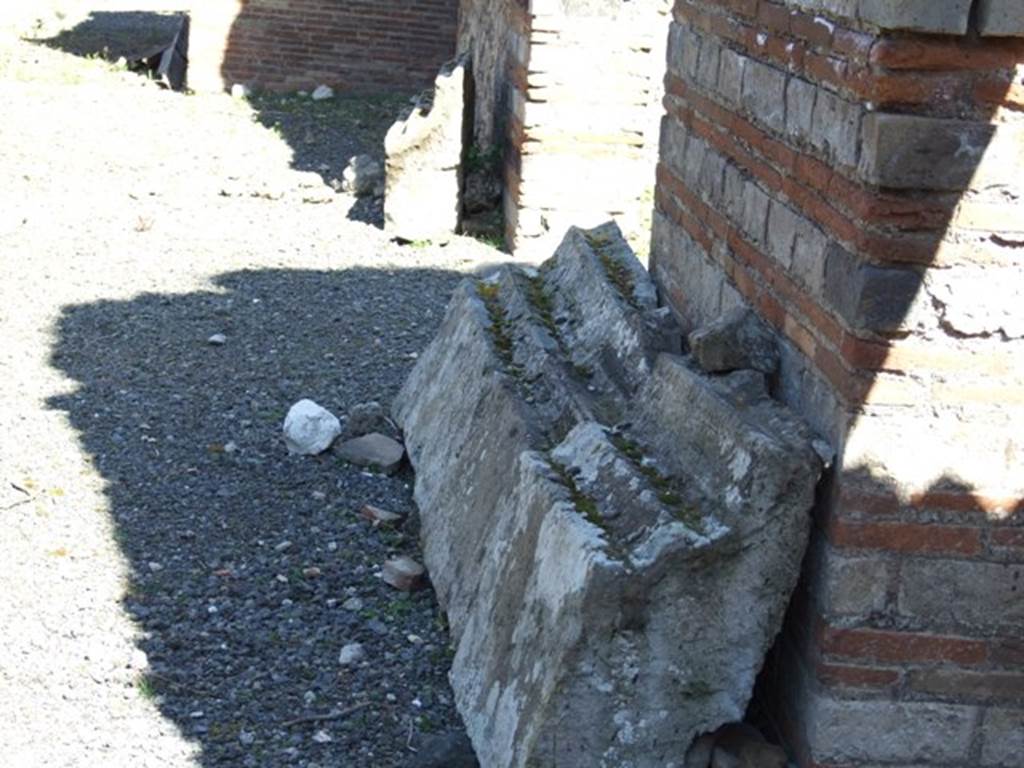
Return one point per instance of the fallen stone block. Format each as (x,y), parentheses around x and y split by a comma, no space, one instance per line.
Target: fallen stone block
(613,533)
(423,164)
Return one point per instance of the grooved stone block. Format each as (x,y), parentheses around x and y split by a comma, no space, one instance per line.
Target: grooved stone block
(623,579)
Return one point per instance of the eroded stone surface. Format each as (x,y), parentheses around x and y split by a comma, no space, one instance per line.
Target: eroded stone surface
(613,533)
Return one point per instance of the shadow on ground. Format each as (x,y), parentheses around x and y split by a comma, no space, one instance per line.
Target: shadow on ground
(115,34)
(242,557)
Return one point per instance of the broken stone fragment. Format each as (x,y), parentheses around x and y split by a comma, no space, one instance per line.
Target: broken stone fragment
(374,450)
(362,176)
(404,573)
(379,516)
(445,750)
(631,579)
(310,429)
(738,339)
(424,160)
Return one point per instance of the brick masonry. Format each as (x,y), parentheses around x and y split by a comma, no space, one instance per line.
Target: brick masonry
(351,45)
(852,170)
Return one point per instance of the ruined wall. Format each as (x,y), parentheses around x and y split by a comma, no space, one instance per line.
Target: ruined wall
(853,171)
(297,44)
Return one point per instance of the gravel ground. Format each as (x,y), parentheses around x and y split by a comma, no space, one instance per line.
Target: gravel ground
(177,589)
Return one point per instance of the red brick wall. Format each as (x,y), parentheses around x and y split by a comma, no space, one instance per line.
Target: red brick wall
(298,44)
(857,176)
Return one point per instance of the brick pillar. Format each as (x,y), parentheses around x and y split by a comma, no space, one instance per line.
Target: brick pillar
(855,172)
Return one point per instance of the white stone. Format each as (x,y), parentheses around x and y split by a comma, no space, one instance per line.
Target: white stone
(240,91)
(217,340)
(310,429)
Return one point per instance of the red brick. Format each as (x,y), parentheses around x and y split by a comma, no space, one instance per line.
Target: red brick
(985,54)
(906,537)
(901,647)
(845,676)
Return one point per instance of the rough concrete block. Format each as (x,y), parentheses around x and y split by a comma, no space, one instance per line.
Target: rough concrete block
(835,127)
(782,228)
(853,586)
(809,249)
(424,160)
(867,296)
(1001,18)
(844,731)
(627,578)
(800,97)
(730,76)
(707,66)
(755,212)
(764,94)
(911,152)
(946,17)
(1003,738)
(962,593)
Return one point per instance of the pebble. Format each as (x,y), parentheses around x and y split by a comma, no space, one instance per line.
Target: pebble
(322,737)
(217,340)
(246,737)
(351,654)
(379,516)
(373,450)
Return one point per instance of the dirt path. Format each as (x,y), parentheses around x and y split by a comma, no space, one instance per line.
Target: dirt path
(176,588)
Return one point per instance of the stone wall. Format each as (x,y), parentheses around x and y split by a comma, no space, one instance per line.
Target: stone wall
(852,170)
(298,44)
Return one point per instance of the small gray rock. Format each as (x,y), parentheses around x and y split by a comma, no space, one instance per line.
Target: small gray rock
(350,654)
(217,340)
(445,750)
(373,450)
(310,429)
(737,340)
(365,418)
(353,604)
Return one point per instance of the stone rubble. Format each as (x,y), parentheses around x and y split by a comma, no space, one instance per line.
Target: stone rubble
(379,516)
(310,429)
(613,533)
